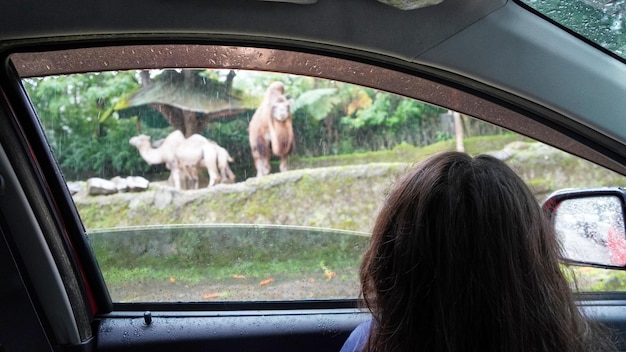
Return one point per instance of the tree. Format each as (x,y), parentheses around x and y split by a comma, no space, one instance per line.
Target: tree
(75,111)
(187,99)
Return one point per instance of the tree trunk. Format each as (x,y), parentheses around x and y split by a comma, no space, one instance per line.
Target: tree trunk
(187,121)
(172,115)
(146,81)
(193,123)
(458,131)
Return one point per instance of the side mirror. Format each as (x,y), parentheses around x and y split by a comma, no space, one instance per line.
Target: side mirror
(590,225)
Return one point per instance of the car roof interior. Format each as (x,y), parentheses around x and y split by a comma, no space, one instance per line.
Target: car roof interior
(431,40)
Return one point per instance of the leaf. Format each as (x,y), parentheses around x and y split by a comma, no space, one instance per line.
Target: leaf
(266,282)
(317,102)
(361,101)
(105,115)
(312,96)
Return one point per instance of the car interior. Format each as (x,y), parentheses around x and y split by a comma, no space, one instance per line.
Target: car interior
(106,246)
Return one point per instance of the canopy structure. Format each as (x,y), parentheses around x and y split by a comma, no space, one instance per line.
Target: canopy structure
(186,100)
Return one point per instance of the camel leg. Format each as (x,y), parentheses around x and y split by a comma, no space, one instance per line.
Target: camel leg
(193,173)
(214,178)
(230,175)
(175,175)
(187,177)
(214,175)
(210,162)
(227,175)
(262,167)
(283,163)
(222,164)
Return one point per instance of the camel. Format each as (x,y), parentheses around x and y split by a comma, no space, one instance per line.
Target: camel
(223,158)
(196,151)
(271,129)
(183,156)
(163,154)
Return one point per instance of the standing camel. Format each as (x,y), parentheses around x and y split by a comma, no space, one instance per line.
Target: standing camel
(163,154)
(271,129)
(194,152)
(183,156)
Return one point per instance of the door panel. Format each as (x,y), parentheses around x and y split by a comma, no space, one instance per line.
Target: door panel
(304,330)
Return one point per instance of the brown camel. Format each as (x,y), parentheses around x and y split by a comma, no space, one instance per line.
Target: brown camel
(271,130)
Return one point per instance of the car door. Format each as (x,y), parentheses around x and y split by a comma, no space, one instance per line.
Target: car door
(166,268)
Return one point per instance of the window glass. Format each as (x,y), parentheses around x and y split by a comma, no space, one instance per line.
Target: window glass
(601,21)
(197,219)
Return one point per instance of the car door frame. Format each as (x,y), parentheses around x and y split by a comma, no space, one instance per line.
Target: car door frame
(46,217)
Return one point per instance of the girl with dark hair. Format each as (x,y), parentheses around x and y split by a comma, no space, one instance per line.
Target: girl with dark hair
(462,258)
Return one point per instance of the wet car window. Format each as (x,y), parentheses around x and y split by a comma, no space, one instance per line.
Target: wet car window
(238,185)
(601,21)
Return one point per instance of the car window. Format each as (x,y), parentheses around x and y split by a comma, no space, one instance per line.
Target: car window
(166,171)
(601,21)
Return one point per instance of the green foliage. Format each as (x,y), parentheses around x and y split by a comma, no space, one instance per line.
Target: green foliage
(70,109)
(318,102)
(441,136)
(588,279)
(329,118)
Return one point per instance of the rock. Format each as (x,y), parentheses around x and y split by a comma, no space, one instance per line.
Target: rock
(137,183)
(98,186)
(163,198)
(74,187)
(120,183)
(500,154)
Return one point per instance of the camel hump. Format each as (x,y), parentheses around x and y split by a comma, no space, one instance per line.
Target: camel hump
(276,88)
(175,137)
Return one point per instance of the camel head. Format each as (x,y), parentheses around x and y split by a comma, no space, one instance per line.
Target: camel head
(139,141)
(281,109)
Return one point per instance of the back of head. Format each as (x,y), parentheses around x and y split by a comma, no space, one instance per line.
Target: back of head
(463,259)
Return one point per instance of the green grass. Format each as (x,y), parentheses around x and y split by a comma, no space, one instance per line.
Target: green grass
(292,268)
(197,253)
(590,279)
(339,196)
(408,153)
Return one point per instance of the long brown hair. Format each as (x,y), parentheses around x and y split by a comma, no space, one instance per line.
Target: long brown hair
(462,258)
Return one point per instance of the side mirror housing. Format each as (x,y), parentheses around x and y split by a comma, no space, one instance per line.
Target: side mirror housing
(589,224)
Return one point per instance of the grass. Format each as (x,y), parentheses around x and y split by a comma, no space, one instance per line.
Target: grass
(193,254)
(292,268)
(338,196)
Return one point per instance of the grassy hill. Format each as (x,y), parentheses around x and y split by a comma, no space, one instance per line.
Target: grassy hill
(343,192)
(335,191)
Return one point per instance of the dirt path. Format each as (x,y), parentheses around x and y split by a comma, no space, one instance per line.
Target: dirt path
(241,289)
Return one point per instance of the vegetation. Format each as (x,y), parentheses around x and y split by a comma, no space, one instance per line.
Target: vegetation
(88,120)
(302,197)
(196,253)
(351,144)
